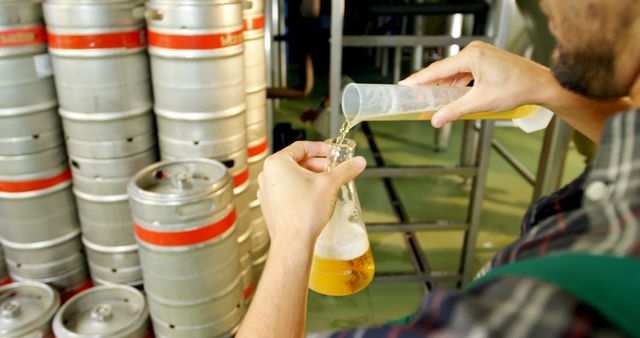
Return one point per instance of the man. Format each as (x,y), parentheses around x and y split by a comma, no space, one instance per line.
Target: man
(575,271)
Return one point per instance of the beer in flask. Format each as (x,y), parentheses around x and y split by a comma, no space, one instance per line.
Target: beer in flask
(342,260)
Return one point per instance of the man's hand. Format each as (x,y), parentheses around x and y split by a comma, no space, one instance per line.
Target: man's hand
(502,81)
(297,195)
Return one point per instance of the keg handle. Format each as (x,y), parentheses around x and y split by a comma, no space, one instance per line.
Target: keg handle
(247,5)
(154,14)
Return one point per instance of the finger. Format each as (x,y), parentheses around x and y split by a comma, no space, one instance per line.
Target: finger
(472,102)
(348,170)
(301,150)
(315,164)
(439,70)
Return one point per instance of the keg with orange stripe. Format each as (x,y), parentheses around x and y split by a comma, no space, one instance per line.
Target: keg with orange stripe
(28,130)
(196,55)
(27,309)
(185,225)
(109,135)
(114,311)
(98,54)
(26,79)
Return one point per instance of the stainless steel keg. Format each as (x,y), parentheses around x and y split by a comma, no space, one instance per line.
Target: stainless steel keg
(27,309)
(37,210)
(44,259)
(257,107)
(108,135)
(20,166)
(113,264)
(105,220)
(259,242)
(254,53)
(196,55)
(108,176)
(211,135)
(257,151)
(114,311)
(98,54)
(185,224)
(26,131)
(68,284)
(26,80)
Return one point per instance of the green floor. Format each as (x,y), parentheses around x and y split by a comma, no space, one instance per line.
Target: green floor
(425,199)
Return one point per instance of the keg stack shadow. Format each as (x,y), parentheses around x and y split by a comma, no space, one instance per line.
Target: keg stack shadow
(39,226)
(186,227)
(98,51)
(257,139)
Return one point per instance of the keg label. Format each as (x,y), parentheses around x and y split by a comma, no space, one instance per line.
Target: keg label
(188,237)
(241,178)
(259,149)
(208,41)
(132,39)
(23,37)
(43,65)
(25,186)
(256,23)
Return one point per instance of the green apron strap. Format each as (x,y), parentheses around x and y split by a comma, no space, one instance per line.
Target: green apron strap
(611,285)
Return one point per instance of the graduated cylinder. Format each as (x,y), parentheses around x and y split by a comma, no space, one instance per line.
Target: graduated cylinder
(98,51)
(185,225)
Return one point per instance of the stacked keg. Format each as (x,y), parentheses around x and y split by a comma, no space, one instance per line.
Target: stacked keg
(258,146)
(185,224)
(103,84)
(27,309)
(197,64)
(39,226)
(115,311)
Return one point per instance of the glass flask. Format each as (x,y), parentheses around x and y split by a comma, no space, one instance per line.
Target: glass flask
(342,260)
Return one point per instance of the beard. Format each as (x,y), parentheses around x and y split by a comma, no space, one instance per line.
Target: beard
(588,72)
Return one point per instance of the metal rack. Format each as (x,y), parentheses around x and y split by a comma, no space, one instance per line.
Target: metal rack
(474,164)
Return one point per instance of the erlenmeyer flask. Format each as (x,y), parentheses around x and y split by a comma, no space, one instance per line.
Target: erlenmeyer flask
(342,261)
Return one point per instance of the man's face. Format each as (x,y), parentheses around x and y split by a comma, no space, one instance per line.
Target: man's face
(593,53)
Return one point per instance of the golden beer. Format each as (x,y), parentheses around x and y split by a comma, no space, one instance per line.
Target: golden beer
(334,277)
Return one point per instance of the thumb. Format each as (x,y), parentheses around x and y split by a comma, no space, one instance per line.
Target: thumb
(471,102)
(348,170)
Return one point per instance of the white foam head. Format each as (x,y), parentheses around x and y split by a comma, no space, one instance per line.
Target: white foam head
(342,239)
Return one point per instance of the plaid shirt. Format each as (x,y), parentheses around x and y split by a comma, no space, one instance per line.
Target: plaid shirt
(595,214)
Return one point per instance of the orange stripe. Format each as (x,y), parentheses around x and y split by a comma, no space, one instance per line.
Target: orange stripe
(248,290)
(208,41)
(254,24)
(189,237)
(131,39)
(259,149)
(6,281)
(65,296)
(24,186)
(23,37)
(241,178)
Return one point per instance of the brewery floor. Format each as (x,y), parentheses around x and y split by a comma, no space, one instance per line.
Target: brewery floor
(506,198)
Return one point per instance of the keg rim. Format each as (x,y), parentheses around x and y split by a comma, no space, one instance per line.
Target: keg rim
(41,244)
(200,116)
(237,283)
(100,198)
(134,324)
(103,282)
(140,194)
(52,305)
(235,312)
(35,193)
(34,108)
(109,249)
(110,116)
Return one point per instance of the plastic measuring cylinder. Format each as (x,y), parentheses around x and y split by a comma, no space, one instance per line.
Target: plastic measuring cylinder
(380,102)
